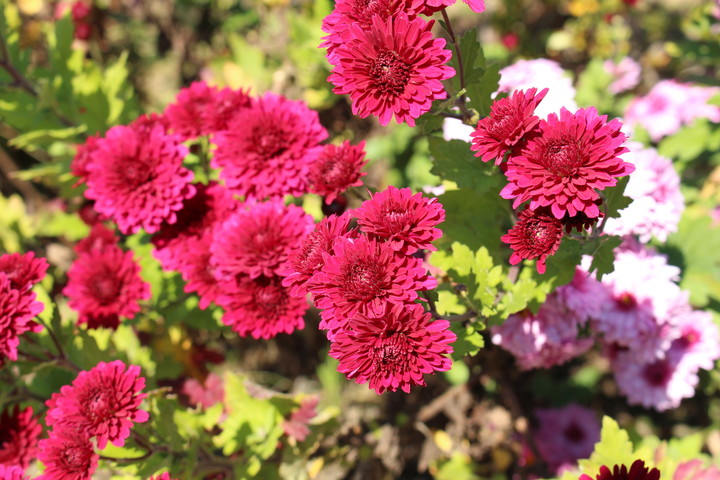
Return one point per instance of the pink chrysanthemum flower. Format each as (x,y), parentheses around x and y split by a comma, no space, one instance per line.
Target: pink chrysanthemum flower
(268,148)
(200,215)
(698,338)
(104,285)
(12,472)
(261,307)
(83,157)
(404,221)
(562,167)
(103,402)
(660,384)
(509,121)
(537,234)
(201,109)
(23,270)
(206,394)
(136,177)
(17,309)
(67,455)
(638,471)
(361,12)
(297,425)
(626,74)
(432,6)
(566,434)
(99,239)
(540,73)
(362,276)
(395,67)
(307,260)
(19,434)
(336,169)
(163,476)
(395,349)
(200,273)
(584,296)
(257,240)
(695,470)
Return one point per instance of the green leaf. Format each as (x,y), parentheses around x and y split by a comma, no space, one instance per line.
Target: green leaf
(602,250)
(454,161)
(615,198)
(469,340)
(480,92)
(42,138)
(561,266)
(472,56)
(614,448)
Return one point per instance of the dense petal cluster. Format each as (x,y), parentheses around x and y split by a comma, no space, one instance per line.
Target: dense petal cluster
(393,67)
(18,307)
(537,234)
(405,222)
(566,434)
(19,434)
(336,169)
(394,348)
(12,472)
(135,176)
(509,121)
(104,284)
(67,455)
(637,471)
(573,156)
(268,148)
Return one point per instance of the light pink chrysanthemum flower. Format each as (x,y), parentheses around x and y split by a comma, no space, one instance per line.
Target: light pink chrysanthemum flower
(394,350)
(136,177)
(261,307)
(669,105)
(509,121)
(336,169)
(104,285)
(584,296)
(258,239)
(206,394)
(406,222)
(67,455)
(698,338)
(660,384)
(657,203)
(297,425)
(536,235)
(626,74)
(268,148)
(395,67)
(562,167)
(544,340)
(200,215)
(362,276)
(103,402)
(307,260)
(540,73)
(566,434)
(360,12)
(456,129)
(696,470)
(201,109)
(19,434)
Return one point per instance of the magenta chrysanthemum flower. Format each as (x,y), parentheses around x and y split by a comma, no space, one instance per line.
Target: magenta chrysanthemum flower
(537,234)
(23,270)
(17,309)
(395,349)
(200,273)
(67,455)
(361,12)
(104,285)
(394,67)
(268,148)
(19,434)
(103,402)
(562,167)
(307,260)
(638,471)
(200,215)
(406,222)
(83,157)
(257,240)
(261,307)
(164,476)
(12,472)
(432,6)
(336,169)
(99,239)
(566,434)
(201,109)
(362,276)
(509,121)
(136,177)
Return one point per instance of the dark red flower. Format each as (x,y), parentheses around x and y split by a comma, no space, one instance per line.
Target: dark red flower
(336,169)
(23,270)
(509,121)
(395,349)
(537,234)
(200,273)
(67,455)
(19,434)
(406,222)
(638,471)
(99,239)
(83,157)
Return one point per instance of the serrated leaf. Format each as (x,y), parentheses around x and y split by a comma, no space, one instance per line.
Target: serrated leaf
(469,340)
(480,91)
(561,266)
(472,56)
(615,198)
(453,160)
(614,448)
(602,250)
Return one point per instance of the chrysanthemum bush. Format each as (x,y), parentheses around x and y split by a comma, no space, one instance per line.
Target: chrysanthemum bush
(158,319)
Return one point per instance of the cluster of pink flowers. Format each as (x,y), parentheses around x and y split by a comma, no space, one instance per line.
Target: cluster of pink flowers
(656,342)
(366,283)
(386,58)
(625,73)
(669,105)
(104,281)
(19,434)
(558,165)
(102,404)
(18,307)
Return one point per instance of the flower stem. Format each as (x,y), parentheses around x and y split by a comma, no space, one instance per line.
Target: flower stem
(461,69)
